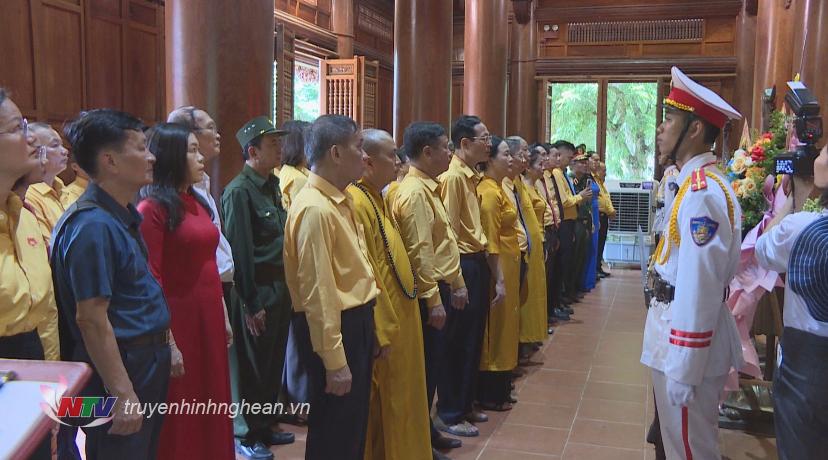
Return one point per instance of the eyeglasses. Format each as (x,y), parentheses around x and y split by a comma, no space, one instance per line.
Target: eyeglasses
(486,139)
(23,126)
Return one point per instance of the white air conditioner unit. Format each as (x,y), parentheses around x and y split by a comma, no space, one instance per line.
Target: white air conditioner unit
(634,203)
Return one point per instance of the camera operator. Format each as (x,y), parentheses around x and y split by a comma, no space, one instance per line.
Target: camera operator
(796,243)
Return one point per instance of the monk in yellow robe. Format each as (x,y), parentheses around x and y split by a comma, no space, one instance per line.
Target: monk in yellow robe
(398,421)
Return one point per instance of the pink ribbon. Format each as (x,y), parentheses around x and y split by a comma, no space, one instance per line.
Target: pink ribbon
(751,283)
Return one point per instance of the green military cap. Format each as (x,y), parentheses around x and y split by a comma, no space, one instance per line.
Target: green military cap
(256,127)
(581,157)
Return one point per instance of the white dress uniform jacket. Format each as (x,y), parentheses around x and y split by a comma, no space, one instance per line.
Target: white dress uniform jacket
(695,336)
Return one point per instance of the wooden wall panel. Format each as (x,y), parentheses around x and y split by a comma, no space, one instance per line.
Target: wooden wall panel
(456,97)
(17,51)
(141,75)
(63,56)
(62,70)
(104,82)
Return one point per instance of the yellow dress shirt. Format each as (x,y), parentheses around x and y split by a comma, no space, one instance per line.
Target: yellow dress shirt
(604,201)
(73,191)
(546,188)
(509,190)
(291,180)
(569,200)
(326,264)
(26,295)
(458,190)
(391,193)
(47,203)
(427,234)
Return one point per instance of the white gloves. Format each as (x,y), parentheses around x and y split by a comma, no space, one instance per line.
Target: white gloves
(679,394)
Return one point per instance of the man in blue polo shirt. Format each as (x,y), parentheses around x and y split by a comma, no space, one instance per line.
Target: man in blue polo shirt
(113,314)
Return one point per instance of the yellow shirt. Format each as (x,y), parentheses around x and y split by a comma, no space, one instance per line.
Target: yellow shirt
(291,180)
(391,193)
(458,189)
(509,190)
(604,201)
(427,234)
(326,264)
(47,204)
(26,294)
(73,191)
(546,189)
(569,199)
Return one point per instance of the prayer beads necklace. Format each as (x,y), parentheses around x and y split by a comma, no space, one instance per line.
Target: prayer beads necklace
(388,254)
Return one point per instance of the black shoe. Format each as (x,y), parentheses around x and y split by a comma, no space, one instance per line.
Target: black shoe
(561,314)
(257,451)
(568,309)
(601,272)
(281,438)
(445,442)
(551,321)
(437,455)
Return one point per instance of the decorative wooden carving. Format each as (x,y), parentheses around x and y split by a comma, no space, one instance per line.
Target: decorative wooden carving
(350,88)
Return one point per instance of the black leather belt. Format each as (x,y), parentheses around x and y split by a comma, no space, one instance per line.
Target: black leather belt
(157,338)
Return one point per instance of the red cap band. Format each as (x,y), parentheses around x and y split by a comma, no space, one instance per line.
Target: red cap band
(700,108)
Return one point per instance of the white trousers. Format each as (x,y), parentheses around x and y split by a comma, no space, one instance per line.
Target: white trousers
(690,432)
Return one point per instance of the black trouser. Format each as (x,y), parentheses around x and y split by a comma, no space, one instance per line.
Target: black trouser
(800,395)
(582,242)
(553,271)
(495,387)
(566,233)
(148,368)
(457,385)
(258,363)
(602,239)
(27,346)
(434,343)
(337,425)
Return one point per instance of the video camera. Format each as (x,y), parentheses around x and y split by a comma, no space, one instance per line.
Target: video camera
(808,126)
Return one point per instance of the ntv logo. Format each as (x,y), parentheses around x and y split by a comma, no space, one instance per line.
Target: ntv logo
(55,405)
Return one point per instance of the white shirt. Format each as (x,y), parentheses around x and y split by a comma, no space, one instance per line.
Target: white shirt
(224,256)
(695,335)
(773,251)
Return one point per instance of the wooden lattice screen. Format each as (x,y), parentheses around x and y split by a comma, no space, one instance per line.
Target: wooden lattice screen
(349,87)
(285,59)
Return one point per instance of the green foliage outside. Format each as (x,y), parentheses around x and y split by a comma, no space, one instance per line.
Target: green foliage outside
(574,113)
(631,123)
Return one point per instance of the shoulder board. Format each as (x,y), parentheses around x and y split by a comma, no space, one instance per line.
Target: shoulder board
(698,180)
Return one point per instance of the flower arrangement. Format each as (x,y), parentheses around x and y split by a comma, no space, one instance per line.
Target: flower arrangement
(750,166)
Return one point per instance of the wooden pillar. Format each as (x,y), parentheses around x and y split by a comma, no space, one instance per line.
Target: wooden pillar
(522,118)
(810,50)
(343,27)
(485,46)
(212,66)
(422,63)
(745,68)
(774,52)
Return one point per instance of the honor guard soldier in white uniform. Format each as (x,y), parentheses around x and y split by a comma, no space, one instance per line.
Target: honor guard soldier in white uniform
(690,339)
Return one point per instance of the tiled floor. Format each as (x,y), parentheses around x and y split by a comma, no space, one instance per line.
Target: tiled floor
(590,399)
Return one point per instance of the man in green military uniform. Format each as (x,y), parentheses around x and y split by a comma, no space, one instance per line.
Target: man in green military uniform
(254,224)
